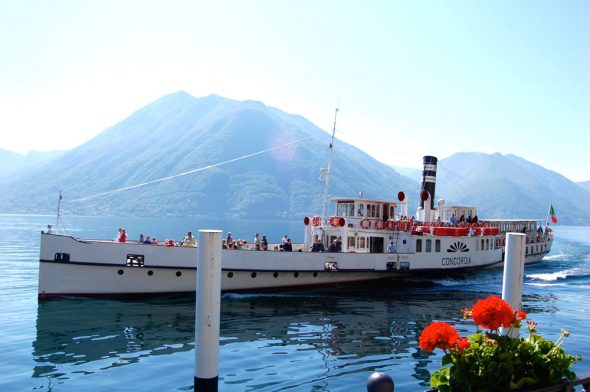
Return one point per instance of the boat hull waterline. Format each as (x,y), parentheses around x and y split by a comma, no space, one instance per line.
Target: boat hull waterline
(74,267)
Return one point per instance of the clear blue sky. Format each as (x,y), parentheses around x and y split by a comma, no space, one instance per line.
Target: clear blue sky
(411,77)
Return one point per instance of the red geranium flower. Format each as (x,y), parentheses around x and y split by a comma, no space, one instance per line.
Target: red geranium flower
(520,314)
(463,344)
(438,335)
(493,312)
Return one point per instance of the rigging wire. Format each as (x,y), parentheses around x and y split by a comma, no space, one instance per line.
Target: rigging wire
(452,180)
(186,172)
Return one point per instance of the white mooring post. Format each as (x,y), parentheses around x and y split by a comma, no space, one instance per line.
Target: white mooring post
(207,312)
(513,273)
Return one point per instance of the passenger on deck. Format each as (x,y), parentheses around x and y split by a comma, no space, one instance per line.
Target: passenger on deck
(122,237)
(333,246)
(229,238)
(223,244)
(154,241)
(339,245)
(147,240)
(284,241)
(288,247)
(264,243)
(391,248)
(453,220)
(256,242)
(141,240)
(189,240)
(318,246)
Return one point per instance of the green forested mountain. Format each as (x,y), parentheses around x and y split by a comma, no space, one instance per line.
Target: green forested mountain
(279,178)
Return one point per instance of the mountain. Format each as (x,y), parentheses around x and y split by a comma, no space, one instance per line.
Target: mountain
(14,165)
(243,159)
(180,133)
(410,172)
(584,184)
(508,186)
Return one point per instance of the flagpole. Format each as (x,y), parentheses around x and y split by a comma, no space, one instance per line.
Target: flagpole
(58,212)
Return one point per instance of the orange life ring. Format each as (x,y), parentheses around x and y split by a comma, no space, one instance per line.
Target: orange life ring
(365,223)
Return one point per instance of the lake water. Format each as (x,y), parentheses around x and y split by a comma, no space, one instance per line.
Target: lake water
(304,341)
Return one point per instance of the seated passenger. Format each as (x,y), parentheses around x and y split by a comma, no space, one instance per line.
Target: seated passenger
(318,246)
(147,240)
(189,240)
(288,247)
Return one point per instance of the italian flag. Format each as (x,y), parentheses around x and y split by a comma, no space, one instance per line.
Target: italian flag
(552,214)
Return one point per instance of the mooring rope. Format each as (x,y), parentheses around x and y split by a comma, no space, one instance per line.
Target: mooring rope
(187,172)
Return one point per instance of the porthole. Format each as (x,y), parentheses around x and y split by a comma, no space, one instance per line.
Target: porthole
(404,242)
(150,273)
(315,274)
(178,273)
(120,272)
(275,275)
(253,274)
(230,274)
(296,274)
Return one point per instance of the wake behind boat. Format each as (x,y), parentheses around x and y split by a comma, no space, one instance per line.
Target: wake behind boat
(364,240)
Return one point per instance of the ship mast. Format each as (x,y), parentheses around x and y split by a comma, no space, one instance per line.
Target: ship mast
(326,172)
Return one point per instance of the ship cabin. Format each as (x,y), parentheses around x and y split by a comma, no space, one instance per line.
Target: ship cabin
(458,214)
(358,225)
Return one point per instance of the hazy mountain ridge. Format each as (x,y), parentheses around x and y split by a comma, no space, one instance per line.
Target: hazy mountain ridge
(509,186)
(584,184)
(178,133)
(14,164)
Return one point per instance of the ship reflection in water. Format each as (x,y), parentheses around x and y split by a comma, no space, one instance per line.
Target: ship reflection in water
(321,341)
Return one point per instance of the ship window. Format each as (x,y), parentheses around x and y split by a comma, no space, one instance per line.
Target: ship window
(418,245)
(361,242)
(487,243)
(482,245)
(526,250)
(437,246)
(361,210)
(134,261)
(63,257)
(404,265)
(428,245)
(351,242)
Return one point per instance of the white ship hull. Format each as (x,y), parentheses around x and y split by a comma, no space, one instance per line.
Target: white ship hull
(74,267)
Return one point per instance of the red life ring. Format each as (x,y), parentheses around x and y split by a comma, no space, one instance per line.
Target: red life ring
(365,223)
(317,221)
(306,221)
(334,221)
(341,222)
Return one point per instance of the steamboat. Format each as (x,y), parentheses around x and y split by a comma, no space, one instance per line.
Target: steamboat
(362,240)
